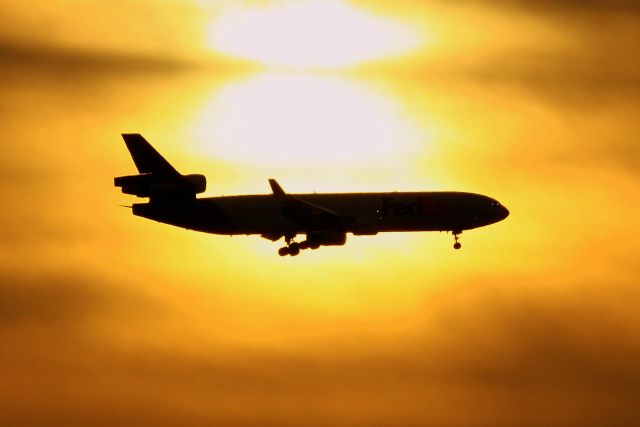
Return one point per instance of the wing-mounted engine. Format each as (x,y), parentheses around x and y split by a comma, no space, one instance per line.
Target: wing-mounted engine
(154,185)
(326,238)
(366,226)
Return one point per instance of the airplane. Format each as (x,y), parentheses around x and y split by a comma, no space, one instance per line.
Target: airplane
(324,219)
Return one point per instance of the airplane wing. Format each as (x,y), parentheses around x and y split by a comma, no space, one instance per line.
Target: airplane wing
(311,215)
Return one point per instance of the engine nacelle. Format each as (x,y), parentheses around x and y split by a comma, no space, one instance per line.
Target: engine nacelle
(326,238)
(366,226)
(149,185)
(198,182)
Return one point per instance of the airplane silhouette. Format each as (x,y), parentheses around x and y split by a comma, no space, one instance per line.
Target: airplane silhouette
(324,218)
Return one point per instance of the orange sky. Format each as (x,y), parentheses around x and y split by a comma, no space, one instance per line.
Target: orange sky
(105,316)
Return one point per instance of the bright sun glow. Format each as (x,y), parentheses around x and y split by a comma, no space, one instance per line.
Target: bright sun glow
(305,119)
(309,33)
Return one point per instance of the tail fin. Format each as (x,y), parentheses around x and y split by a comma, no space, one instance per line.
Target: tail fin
(146,158)
(158,179)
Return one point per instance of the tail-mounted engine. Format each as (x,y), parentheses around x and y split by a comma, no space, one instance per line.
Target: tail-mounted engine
(153,185)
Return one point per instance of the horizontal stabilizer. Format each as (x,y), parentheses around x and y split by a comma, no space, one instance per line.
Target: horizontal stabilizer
(146,158)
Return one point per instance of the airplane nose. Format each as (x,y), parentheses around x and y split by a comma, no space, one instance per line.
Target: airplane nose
(504,212)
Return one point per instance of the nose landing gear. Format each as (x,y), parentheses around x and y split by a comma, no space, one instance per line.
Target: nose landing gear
(456,234)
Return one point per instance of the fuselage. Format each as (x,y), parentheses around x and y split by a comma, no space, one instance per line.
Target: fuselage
(367,213)
(324,218)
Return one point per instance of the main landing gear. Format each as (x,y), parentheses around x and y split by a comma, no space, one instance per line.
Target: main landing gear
(456,234)
(294,248)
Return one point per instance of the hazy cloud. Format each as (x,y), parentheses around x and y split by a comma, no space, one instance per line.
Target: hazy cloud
(566,7)
(590,79)
(95,328)
(46,299)
(504,354)
(51,298)
(76,62)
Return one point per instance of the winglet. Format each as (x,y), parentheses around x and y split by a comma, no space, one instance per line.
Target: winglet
(275,187)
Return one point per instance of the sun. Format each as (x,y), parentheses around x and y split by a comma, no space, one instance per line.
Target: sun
(283,118)
(329,34)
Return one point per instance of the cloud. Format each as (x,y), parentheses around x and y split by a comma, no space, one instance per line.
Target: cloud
(567,7)
(77,62)
(589,79)
(50,298)
(592,95)
(511,353)
(90,332)
(45,299)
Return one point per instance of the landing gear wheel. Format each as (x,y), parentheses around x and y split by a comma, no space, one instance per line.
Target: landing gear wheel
(304,245)
(292,249)
(457,245)
(284,251)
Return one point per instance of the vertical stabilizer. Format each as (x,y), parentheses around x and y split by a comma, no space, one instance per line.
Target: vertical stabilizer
(146,158)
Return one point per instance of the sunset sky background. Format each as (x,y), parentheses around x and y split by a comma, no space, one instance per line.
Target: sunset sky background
(109,319)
